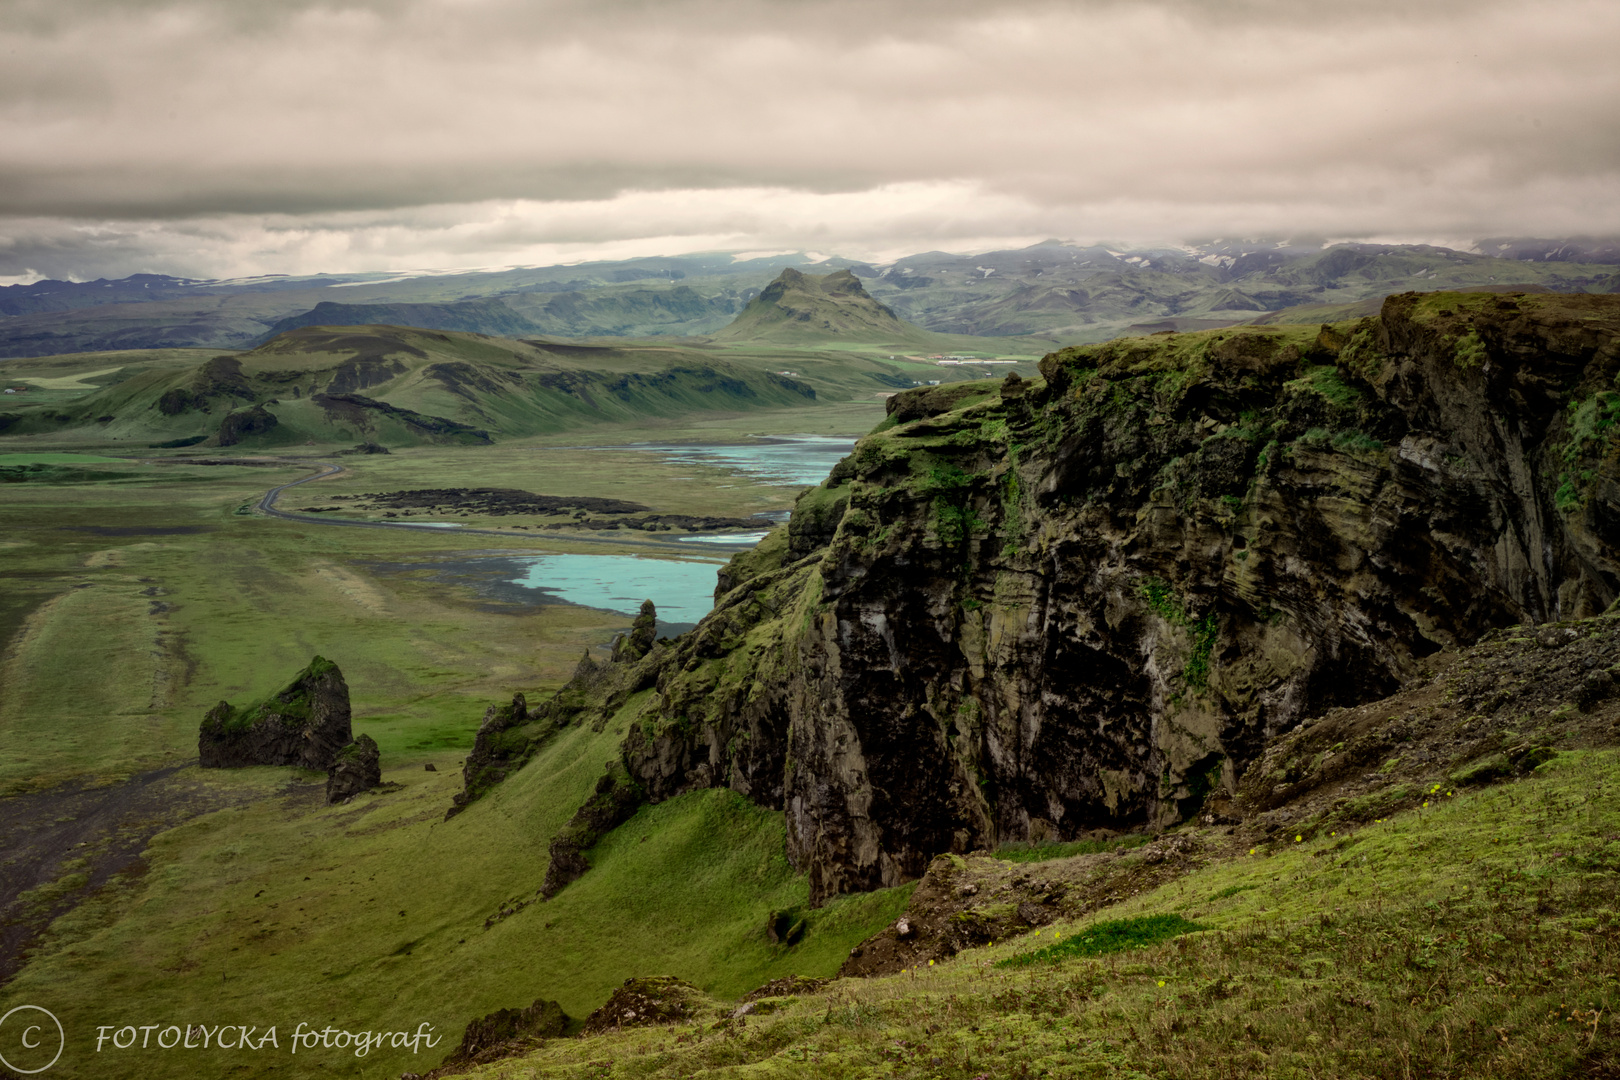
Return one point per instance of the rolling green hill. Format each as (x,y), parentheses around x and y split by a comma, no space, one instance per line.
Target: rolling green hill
(406,387)
(392,385)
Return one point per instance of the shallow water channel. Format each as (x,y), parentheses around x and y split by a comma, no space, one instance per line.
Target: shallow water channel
(779,459)
(681,588)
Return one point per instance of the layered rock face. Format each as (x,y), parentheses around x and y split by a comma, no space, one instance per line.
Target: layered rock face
(1087,602)
(305,724)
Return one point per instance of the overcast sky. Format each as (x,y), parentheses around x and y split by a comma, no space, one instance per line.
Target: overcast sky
(232,137)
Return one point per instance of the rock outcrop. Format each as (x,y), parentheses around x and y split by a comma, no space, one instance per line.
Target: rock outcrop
(616,798)
(644,1002)
(510,734)
(1089,601)
(244,424)
(305,724)
(355,768)
(505,741)
(505,1033)
(639,641)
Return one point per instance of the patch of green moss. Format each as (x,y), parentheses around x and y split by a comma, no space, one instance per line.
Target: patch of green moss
(1469,351)
(1590,419)
(1020,851)
(950,488)
(1355,441)
(1361,355)
(1161,598)
(1325,381)
(1109,936)
(1568,498)
(1163,601)
(1012,502)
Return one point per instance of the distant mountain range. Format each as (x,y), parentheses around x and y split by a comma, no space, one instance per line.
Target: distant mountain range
(1060,292)
(348,373)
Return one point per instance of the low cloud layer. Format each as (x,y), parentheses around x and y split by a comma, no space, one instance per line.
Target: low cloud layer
(215,139)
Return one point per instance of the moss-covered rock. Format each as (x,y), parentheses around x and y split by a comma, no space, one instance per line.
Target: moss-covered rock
(305,724)
(505,1033)
(643,1002)
(639,641)
(1090,603)
(616,798)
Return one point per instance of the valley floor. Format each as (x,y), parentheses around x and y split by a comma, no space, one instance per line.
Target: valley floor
(134,596)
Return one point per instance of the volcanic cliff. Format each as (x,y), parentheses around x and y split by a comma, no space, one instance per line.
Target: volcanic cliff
(1036,610)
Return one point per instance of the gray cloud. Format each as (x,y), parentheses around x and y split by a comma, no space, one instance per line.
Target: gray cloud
(229,137)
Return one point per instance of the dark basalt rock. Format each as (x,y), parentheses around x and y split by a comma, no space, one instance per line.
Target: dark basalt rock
(503,743)
(639,641)
(241,425)
(926,401)
(616,798)
(785,927)
(356,768)
(305,724)
(786,987)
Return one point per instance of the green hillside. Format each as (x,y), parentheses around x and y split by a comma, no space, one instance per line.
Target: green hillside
(392,385)
(401,386)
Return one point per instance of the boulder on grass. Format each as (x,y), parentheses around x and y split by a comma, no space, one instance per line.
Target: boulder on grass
(305,724)
(357,768)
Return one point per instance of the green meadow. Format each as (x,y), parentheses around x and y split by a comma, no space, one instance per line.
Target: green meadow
(140,589)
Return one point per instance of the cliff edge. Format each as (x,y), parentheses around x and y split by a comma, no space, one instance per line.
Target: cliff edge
(1085,604)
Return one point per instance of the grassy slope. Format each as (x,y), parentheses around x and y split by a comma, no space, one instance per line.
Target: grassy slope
(374,915)
(1478,937)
